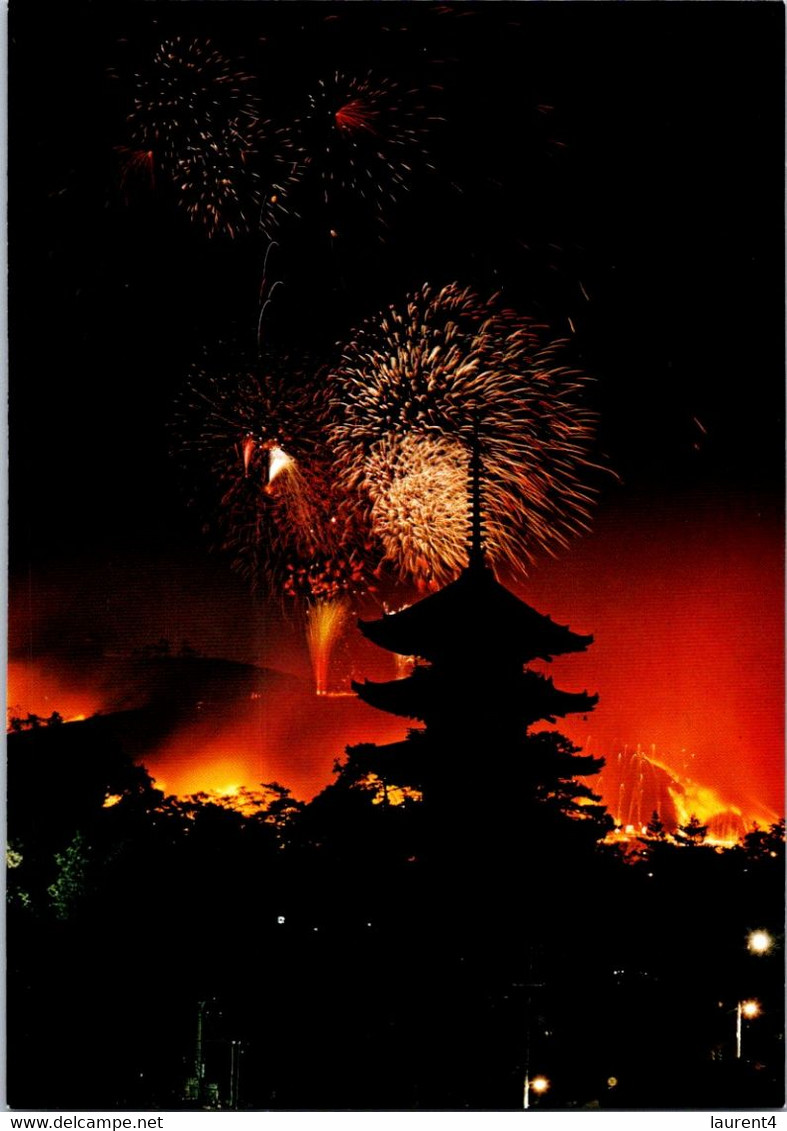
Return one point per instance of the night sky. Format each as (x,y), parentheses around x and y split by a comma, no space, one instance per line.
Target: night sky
(615,170)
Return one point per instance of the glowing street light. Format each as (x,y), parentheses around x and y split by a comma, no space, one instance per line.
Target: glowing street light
(539,1085)
(747,1009)
(759,942)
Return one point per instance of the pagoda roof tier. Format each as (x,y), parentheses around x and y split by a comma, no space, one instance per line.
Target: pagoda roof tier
(474,614)
(424,694)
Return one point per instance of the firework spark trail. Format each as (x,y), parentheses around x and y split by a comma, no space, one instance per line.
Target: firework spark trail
(272,246)
(634,785)
(216,186)
(136,165)
(437,369)
(287,166)
(266,294)
(326,620)
(263,307)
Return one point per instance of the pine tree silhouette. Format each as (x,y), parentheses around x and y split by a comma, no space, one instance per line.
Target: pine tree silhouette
(692,833)
(655,827)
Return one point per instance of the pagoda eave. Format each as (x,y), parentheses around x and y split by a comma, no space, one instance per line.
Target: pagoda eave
(387,697)
(420,695)
(452,640)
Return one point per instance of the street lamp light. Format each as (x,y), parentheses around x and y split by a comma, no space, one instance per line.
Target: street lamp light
(538,1084)
(747,1009)
(759,942)
(236,1052)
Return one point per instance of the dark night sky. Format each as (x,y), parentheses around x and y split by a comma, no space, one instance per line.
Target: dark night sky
(650,182)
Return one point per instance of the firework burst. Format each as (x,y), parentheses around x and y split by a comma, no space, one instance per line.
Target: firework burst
(416,487)
(445,368)
(360,141)
(196,119)
(253,442)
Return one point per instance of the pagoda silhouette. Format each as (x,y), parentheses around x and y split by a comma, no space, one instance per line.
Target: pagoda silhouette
(477,700)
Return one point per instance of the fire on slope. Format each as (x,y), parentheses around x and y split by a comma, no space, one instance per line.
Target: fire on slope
(635,786)
(226,744)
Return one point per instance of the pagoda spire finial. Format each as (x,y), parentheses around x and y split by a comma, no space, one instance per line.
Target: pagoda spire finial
(475,552)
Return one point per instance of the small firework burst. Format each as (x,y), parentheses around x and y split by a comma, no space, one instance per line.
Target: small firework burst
(450,366)
(189,87)
(196,119)
(360,141)
(251,441)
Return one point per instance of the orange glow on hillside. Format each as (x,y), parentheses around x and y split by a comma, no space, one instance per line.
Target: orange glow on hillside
(294,739)
(35,689)
(213,772)
(687,619)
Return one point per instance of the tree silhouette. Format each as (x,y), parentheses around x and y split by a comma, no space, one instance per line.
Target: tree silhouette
(692,833)
(655,827)
(763,844)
